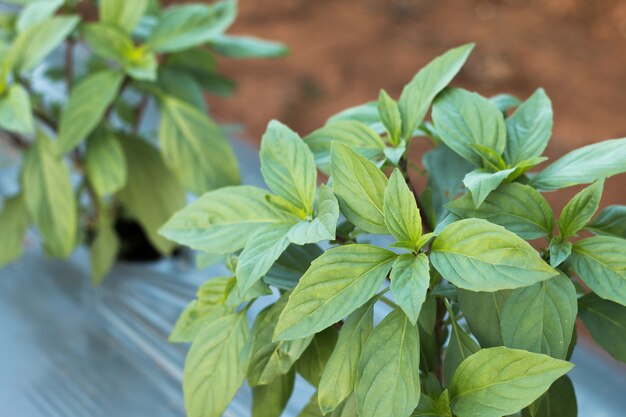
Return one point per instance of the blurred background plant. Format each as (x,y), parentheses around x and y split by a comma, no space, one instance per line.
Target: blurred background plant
(86,88)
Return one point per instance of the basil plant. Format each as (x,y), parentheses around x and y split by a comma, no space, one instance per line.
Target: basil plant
(85,123)
(477,321)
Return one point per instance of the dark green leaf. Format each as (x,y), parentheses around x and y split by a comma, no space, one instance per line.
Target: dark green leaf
(248,47)
(460,347)
(270,400)
(559,401)
(313,361)
(606,322)
(610,221)
(483,311)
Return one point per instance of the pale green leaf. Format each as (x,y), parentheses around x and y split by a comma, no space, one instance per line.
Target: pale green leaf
(390,116)
(610,221)
(14,222)
(559,401)
(123,13)
(483,312)
(336,284)
(584,165)
(560,250)
(323,226)
(410,279)
(104,249)
(248,47)
(606,321)
(314,359)
(360,188)
(105,163)
(16,114)
(460,347)
(270,400)
(427,83)
(347,408)
(482,182)
(601,264)
(500,381)
(107,40)
(366,114)
(388,374)
(580,209)
(35,12)
(480,256)
(402,217)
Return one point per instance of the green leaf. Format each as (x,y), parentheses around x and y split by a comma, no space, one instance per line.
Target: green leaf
(560,250)
(358,136)
(579,211)
(260,253)
(151,194)
(529,128)
(517,207)
(559,401)
(215,366)
(463,119)
(222,221)
(49,196)
(606,321)
(141,64)
(185,26)
(177,82)
(481,183)
(339,376)
(14,222)
(336,284)
(104,250)
(483,312)
(540,318)
(427,83)
(125,14)
(107,40)
(360,188)
(16,114)
(480,256)
(402,217)
(500,381)
(347,408)
(410,279)
(610,221)
(86,107)
(311,409)
(288,166)
(323,226)
(505,102)
(36,12)
(291,265)
(429,407)
(270,400)
(105,163)
(600,263)
(390,116)
(195,148)
(366,114)
(460,347)
(271,359)
(314,359)
(248,47)
(584,165)
(388,373)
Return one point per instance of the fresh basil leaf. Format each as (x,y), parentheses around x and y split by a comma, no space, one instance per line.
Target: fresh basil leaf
(600,263)
(529,128)
(427,83)
(347,408)
(248,47)
(460,347)
(366,113)
(579,211)
(311,409)
(105,164)
(610,221)
(360,188)
(559,401)
(107,40)
(125,14)
(463,119)
(606,321)
(323,226)
(560,250)
(410,279)
(584,165)
(291,265)
(182,85)
(16,114)
(270,400)
(14,222)
(313,361)
(36,12)
(104,250)
(402,217)
(500,381)
(480,256)
(388,374)
(350,274)
(481,183)
(390,116)
(483,313)
(505,102)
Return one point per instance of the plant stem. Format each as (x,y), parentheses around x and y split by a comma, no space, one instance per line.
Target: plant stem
(139,113)
(69,64)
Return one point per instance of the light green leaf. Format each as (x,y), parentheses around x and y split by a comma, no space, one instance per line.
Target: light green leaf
(481,183)
(463,119)
(358,136)
(529,128)
(388,374)
(104,250)
(314,359)
(14,222)
(517,207)
(559,401)
(606,321)
(410,279)
(429,407)
(141,64)
(107,40)
(195,148)
(215,366)
(540,318)
(16,114)
(366,114)
(260,253)
(483,312)
(402,217)
(610,221)
(347,408)
(500,381)
(323,226)
(288,166)
(480,256)
(390,116)
(560,250)
(360,187)
(584,165)
(123,13)
(339,376)
(86,107)
(36,12)
(49,197)
(505,102)
(270,400)
(222,221)
(311,409)
(151,194)
(336,284)
(185,26)
(577,213)
(427,83)
(271,359)
(105,163)
(248,47)
(460,347)
(600,263)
